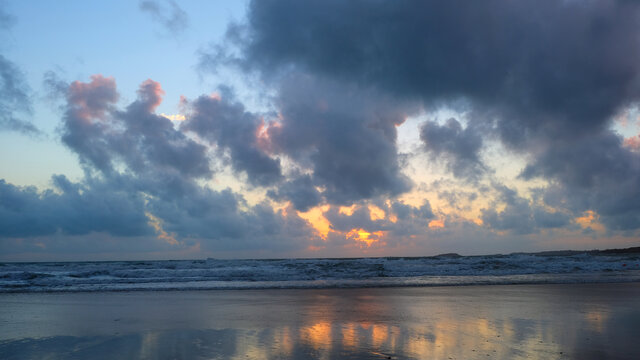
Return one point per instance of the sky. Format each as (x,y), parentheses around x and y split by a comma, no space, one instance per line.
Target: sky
(270,129)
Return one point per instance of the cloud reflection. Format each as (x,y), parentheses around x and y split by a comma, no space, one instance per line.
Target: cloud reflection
(508,322)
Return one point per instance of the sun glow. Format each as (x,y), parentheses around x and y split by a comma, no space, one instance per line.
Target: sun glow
(364,236)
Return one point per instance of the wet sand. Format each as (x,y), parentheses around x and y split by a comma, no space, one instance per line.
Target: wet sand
(597,321)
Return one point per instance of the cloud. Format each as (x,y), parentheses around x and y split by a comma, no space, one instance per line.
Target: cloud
(14,100)
(166,13)
(72,209)
(54,86)
(344,135)
(552,64)
(104,136)
(6,20)
(544,78)
(300,191)
(593,173)
(142,179)
(226,124)
(14,91)
(459,147)
(522,216)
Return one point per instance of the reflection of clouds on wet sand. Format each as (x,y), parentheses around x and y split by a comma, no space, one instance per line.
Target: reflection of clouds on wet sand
(509,322)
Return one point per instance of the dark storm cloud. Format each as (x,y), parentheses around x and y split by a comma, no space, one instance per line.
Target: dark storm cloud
(227,125)
(14,99)
(166,13)
(545,77)
(345,135)
(552,64)
(459,147)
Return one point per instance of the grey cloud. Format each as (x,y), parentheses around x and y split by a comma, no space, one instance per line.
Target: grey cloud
(458,199)
(138,166)
(300,191)
(74,209)
(231,128)
(14,100)
(537,74)
(55,87)
(404,211)
(103,136)
(551,64)
(522,216)
(166,13)
(409,220)
(360,218)
(593,173)
(343,134)
(459,147)
(6,20)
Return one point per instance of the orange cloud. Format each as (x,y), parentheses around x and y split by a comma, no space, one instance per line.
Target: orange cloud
(318,221)
(590,219)
(375,213)
(156,224)
(436,224)
(347,210)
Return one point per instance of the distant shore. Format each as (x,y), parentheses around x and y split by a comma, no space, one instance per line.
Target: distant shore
(578,321)
(629,250)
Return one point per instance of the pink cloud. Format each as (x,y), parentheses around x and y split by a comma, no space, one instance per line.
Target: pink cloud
(92,99)
(150,93)
(633,143)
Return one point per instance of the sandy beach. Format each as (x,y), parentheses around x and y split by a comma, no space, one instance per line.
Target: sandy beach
(593,321)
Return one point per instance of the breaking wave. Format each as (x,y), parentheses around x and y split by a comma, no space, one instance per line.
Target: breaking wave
(444,270)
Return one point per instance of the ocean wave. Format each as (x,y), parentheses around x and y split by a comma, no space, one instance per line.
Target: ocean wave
(448,269)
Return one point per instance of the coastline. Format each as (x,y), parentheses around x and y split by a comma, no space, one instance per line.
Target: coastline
(576,321)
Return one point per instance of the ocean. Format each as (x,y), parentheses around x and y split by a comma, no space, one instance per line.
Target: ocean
(212,274)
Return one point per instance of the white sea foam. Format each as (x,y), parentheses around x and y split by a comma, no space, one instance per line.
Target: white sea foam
(317,273)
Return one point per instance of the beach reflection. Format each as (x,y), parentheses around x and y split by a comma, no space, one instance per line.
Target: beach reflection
(509,323)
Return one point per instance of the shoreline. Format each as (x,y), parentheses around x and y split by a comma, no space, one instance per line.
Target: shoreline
(628,276)
(565,321)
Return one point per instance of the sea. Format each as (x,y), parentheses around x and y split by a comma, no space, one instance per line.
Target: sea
(214,274)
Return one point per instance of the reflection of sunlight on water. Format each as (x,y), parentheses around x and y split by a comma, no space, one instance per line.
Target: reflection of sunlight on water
(283,343)
(379,335)
(349,336)
(426,330)
(250,347)
(442,338)
(595,319)
(148,345)
(319,337)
